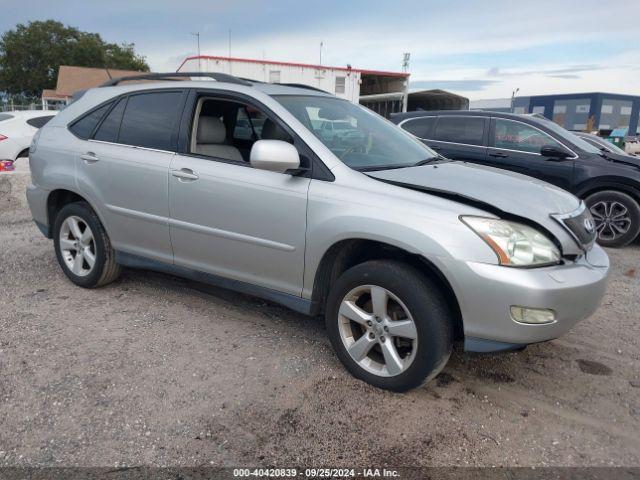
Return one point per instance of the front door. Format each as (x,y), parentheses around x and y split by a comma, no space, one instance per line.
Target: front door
(228,218)
(515,146)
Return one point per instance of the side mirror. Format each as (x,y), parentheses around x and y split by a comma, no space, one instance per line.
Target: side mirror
(552,151)
(274,155)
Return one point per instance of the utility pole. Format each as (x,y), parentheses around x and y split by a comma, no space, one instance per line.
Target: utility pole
(405,61)
(513,99)
(197,35)
(321,44)
(229,43)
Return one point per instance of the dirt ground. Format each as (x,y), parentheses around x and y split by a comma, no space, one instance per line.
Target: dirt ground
(156,370)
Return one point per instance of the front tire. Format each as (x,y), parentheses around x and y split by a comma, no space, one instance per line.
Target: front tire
(617,217)
(389,325)
(83,248)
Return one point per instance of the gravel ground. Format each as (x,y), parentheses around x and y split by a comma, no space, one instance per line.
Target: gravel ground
(156,370)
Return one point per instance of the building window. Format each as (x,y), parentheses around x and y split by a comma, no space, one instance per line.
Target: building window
(625,110)
(582,108)
(607,108)
(559,109)
(340,84)
(274,76)
(539,110)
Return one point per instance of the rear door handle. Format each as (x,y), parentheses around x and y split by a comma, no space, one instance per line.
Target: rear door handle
(498,155)
(434,148)
(89,157)
(185,174)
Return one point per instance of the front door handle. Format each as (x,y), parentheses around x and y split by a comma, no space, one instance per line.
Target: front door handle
(89,157)
(498,155)
(185,174)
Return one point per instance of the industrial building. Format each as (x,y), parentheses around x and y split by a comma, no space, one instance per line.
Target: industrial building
(599,111)
(381,91)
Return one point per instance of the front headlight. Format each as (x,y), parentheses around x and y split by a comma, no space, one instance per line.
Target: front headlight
(515,244)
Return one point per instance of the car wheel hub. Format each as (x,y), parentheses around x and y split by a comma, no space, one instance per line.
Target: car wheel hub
(377,330)
(77,246)
(612,219)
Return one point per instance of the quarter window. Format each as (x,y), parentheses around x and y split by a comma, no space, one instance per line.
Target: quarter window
(108,130)
(420,127)
(149,120)
(84,127)
(467,130)
(521,137)
(39,122)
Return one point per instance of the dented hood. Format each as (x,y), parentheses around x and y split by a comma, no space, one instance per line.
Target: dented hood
(493,190)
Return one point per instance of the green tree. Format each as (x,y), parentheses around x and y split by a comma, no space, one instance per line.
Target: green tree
(31,54)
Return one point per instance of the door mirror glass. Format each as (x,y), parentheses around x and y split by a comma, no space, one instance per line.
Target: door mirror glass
(553,152)
(274,155)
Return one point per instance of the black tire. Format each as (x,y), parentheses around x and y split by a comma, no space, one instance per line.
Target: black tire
(424,300)
(607,235)
(105,269)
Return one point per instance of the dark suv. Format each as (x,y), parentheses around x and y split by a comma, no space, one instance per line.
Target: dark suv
(535,146)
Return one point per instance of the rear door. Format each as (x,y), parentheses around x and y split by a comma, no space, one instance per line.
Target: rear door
(125,167)
(515,146)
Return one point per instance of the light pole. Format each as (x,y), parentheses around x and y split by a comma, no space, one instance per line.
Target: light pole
(513,99)
(197,35)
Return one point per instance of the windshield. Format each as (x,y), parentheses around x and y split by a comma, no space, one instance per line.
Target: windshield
(567,135)
(607,145)
(362,139)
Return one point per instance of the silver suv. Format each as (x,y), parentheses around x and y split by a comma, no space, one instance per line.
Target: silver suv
(232,182)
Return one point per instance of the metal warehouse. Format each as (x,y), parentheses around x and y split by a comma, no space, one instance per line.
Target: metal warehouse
(576,111)
(383,92)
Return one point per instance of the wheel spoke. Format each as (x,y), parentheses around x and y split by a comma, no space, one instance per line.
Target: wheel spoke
(90,258)
(403,328)
(350,310)
(391,358)
(66,244)
(379,299)
(86,235)
(77,263)
(361,347)
(74,227)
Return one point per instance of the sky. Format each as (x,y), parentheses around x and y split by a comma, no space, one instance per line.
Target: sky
(477,48)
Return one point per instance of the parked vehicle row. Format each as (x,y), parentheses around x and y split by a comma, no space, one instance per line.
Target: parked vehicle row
(608,181)
(17,130)
(402,250)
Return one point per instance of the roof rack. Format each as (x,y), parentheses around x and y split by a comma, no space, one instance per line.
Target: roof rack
(218,77)
(302,85)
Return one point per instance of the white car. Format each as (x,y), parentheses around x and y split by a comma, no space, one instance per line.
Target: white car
(17,130)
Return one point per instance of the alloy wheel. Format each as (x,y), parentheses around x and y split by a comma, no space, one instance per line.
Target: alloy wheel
(612,219)
(77,246)
(377,330)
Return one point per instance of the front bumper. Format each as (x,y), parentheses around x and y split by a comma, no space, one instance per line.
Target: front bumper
(486,292)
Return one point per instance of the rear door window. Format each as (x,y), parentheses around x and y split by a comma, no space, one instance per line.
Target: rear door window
(150,120)
(466,130)
(420,127)
(110,126)
(84,127)
(39,122)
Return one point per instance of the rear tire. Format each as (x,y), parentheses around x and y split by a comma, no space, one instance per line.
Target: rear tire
(83,248)
(617,217)
(382,351)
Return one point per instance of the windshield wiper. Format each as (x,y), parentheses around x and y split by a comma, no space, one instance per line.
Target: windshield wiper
(437,158)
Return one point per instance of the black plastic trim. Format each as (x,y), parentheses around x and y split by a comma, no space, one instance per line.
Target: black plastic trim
(298,304)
